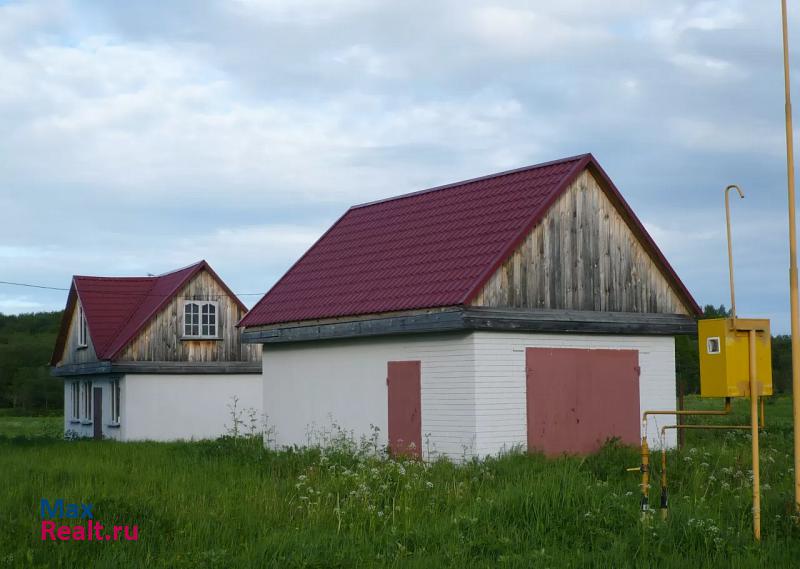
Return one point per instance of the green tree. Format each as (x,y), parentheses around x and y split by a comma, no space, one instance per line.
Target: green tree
(782,363)
(26,344)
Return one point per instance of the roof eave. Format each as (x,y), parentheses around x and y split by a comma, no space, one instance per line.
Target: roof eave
(469,319)
(63,331)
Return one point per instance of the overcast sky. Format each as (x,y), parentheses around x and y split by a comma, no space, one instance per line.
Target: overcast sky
(138,137)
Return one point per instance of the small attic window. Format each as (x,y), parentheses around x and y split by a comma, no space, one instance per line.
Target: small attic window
(83,336)
(200,319)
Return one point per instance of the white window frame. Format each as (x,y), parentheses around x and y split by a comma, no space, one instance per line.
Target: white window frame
(83,329)
(116,400)
(87,401)
(75,401)
(200,304)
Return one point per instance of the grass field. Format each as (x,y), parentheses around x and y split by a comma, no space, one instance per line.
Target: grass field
(15,427)
(229,503)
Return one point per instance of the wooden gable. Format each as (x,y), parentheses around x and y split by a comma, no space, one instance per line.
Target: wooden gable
(73,353)
(583,255)
(162,338)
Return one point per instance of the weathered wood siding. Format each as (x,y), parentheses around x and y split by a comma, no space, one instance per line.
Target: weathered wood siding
(161,339)
(582,256)
(72,353)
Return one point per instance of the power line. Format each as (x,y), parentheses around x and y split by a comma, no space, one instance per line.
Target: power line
(30,285)
(33,285)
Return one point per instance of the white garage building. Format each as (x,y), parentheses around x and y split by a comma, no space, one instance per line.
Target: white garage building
(526,309)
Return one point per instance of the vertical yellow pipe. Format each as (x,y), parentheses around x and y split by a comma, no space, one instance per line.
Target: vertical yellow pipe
(664,497)
(730,243)
(754,432)
(792,259)
(645,506)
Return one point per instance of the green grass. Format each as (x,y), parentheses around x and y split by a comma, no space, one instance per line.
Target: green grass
(229,503)
(31,427)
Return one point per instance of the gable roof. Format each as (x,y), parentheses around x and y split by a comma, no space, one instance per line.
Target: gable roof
(118,308)
(432,248)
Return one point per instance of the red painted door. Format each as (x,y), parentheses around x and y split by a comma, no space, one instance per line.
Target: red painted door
(405,416)
(577,399)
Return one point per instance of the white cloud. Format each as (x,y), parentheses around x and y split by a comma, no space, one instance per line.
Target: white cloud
(705,66)
(724,136)
(528,32)
(674,34)
(19,20)
(704,16)
(304,12)
(135,122)
(268,243)
(363,58)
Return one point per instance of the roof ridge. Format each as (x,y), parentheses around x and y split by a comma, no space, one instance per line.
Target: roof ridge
(577,157)
(97,278)
(140,277)
(189,266)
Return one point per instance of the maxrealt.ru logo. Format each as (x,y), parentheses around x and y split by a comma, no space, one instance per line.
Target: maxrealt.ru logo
(86,528)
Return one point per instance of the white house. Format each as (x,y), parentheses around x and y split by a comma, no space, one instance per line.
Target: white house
(155,358)
(526,309)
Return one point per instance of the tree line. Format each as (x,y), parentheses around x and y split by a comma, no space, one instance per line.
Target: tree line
(26,345)
(27,341)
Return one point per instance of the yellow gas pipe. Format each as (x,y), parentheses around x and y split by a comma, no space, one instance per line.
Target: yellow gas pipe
(754,431)
(644,468)
(794,301)
(730,244)
(664,493)
(724,411)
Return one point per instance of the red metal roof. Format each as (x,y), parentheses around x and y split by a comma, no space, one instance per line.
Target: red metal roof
(428,249)
(118,308)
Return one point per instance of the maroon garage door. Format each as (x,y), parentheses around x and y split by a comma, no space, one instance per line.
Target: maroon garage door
(405,417)
(577,399)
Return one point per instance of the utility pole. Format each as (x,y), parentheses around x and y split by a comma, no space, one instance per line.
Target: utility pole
(792,261)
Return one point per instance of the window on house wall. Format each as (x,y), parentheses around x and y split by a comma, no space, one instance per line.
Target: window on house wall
(82,329)
(200,319)
(86,401)
(115,401)
(75,400)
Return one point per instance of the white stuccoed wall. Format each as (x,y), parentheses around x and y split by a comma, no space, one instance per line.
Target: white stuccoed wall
(185,406)
(309,386)
(500,387)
